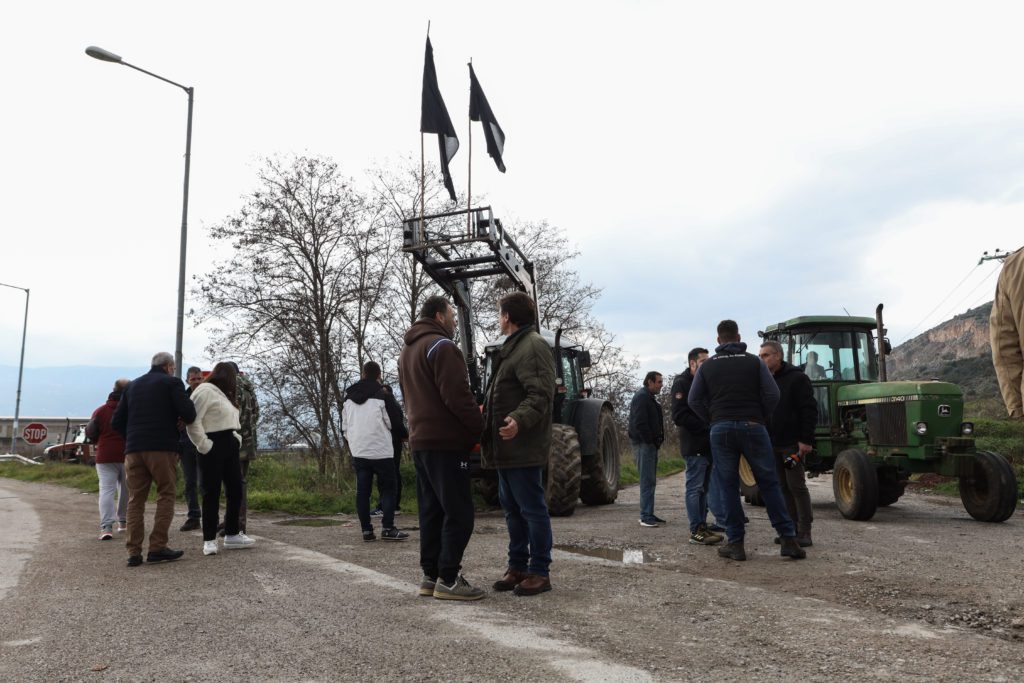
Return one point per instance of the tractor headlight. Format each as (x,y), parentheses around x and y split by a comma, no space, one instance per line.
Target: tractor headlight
(921,428)
(966,428)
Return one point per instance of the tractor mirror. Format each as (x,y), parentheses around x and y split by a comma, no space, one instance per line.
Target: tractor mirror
(583,359)
(887,346)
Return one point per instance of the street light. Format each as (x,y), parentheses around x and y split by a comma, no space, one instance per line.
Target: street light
(107,56)
(21,367)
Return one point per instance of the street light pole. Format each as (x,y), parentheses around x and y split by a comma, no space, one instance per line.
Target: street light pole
(107,56)
(21,368)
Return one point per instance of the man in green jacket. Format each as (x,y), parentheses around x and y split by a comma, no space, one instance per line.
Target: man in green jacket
(516,441)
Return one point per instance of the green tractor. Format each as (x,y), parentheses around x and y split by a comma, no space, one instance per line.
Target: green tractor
(455,249)
(873,434)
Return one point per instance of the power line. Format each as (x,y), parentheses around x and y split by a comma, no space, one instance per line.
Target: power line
(944,299)
(959,304)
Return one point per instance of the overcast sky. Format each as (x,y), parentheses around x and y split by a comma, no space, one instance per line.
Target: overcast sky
(748,160)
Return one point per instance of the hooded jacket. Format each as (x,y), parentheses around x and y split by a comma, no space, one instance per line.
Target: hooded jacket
(694,433)
(214,413)
(1006,329)
(110,444)
(443,414)
(147,414)
(523,388)
(796,415)
(366,421)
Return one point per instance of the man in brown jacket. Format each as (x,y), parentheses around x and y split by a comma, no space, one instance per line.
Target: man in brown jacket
(444,426)
(1006,327)
(516,442)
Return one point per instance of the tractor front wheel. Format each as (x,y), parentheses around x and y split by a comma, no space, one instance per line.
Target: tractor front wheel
(563,473)
(601,485)
(989,492)
(890,488)
(855,485)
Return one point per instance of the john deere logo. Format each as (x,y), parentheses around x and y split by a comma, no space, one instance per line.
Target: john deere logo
(945,411)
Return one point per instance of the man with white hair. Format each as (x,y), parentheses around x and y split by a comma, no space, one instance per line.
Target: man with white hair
(147,416)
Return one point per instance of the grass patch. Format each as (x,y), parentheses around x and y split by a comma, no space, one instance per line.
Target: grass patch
(629,475)
(81,477)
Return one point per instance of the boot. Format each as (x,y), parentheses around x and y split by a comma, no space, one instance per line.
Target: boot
(804,539)
(791,548)
(512,578)
(733,551)
(533,584)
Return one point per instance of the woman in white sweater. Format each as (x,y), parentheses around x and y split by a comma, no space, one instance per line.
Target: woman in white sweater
(215,435)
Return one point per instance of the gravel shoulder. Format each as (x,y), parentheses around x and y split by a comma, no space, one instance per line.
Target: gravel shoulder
(921,592)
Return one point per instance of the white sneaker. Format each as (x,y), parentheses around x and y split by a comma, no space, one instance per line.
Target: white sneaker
(238,541)
(209,547)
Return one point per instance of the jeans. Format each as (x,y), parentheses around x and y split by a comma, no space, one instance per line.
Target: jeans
(701,492)
(142,469)
(397,445)
(646,456)
(221,465)
(794,490)
(384,468)
(729,440)
(190,473)
(521,492)
(446,511)
(112,481)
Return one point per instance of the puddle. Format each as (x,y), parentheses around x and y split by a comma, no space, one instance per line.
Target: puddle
(623,555)
(310,522)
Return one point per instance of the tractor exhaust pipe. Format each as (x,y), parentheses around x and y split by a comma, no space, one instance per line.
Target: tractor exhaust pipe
(882,374)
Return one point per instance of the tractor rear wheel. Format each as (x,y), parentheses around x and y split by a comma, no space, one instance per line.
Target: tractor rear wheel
(600,484)
(989,492)
(748,484)
(855,485)
(563,473)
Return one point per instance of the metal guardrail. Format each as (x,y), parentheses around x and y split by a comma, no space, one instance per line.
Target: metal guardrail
(11,457)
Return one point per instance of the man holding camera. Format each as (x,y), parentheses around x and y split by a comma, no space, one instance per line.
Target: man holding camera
(792,435)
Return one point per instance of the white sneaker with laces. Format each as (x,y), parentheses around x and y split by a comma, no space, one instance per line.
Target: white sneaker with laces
(238,540)
(210,547)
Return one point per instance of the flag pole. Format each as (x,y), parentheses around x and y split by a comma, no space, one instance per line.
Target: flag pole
(469,171)
(423,188)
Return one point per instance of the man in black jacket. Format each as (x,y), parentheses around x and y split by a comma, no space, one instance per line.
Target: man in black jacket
(695,447)
(736,394)
(646,434)
(792,434)
(147,415)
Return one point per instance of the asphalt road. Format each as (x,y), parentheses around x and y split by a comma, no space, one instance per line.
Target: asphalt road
(919,593)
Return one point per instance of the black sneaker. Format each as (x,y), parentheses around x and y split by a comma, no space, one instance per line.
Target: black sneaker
(369,536)
(134,560)
(659,520)
(164,555)
(191,524)
(733,551)
(716,528)
(377,513)
(393,534)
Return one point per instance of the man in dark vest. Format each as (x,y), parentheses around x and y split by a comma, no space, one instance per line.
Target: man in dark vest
(736,394)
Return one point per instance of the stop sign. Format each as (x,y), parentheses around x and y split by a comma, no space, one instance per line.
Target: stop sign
(34,433)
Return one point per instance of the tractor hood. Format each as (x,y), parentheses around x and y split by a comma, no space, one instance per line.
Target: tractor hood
(897,392)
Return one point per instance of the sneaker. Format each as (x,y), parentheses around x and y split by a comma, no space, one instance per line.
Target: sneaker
(733,551)
(393,534)
(377,513)
(427,586)
(648,523)
(105,535)
(237,541)
(210,547)
(163,555)
(369,536)
(122,527)
(458,590)
(718,529)
(704,536)
(191,524)
(659,520)
(790,548)
(134,560)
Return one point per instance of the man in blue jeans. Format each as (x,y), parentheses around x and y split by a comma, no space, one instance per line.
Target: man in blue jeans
(646,434)
(736,394)
(695,447)
(516,441)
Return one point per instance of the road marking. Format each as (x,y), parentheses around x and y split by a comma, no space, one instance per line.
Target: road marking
(579,663)
(19,643)
(19,535)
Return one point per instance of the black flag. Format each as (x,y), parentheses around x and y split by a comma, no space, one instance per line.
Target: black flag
(434,118)
(480,110)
